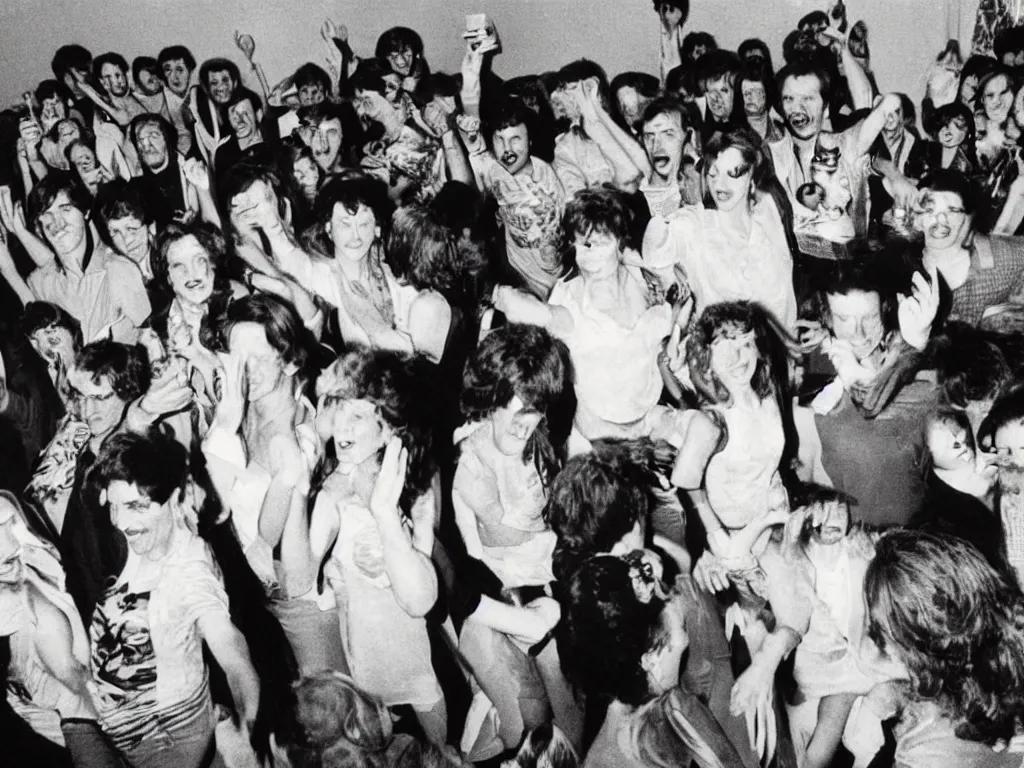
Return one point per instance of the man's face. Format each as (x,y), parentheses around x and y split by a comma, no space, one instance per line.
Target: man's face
(149,83)
(147,525)
(190,271)
(243,119)
(310,94)
(255,207)
(856,318)
(152,146)
(177,75)
(221,85)
(948,444)
(802,106)
(131,237)
(997,99)
(894,122)
(719,94)
(63,225)
(943,220)
(698,50)
(114,80)
(265,369)
(755,101)
(953,133)
(52,111)
(664,139)
(52,343)
(512,147)
(98,405)
(371,106)
(325,142)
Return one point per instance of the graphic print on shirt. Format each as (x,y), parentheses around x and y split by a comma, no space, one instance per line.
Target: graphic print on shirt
(123,659)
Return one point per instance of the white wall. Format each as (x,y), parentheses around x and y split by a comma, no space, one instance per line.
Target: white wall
(537,34)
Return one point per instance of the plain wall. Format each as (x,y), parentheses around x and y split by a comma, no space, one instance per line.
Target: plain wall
(905,35)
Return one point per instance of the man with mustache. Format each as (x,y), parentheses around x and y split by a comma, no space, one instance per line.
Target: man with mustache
(804,95)
(529,195)
(101,290)
(673,148)
(981,271)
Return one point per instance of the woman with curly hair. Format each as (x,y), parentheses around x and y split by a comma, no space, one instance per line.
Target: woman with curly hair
(372,527)
(938,607)
(373,307)
(622,645)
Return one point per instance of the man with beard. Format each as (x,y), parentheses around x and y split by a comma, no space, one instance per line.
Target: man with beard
(172,187)
(836,161)
(673,148)
(981,271)
(176,65)
(529,195)
(46,650)
(111,70)
(101,290)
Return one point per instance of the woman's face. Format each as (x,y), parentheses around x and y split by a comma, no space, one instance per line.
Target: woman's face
(68,132)
(358,431)
(307,175)
(856,318)
(948,445)
(353,233)
(663,663)
(190,271)
(401,60)
(1009,441)
(997,98)
(146,525)
(83,159)
(734,358)
(265,369)
(596,252)
(953,133)
(968,90)
(729,180)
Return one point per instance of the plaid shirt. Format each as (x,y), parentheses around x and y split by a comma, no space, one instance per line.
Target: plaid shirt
(996,277)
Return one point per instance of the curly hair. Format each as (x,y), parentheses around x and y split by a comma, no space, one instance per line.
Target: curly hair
(423,251)
(602,495)
(527,362)
(126,366)
(956,624)
(726,319)
(747,143)
(156,464)
(602,210)
(394,383)
(606,631)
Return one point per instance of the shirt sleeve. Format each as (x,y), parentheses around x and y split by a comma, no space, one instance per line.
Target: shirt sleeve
(200,590)
(127,287)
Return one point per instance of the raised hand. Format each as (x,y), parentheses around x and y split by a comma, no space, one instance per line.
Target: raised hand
(245,44)
(169,393)
(232,394)
(390,482)
(196,173)
(917,311)
(11,214)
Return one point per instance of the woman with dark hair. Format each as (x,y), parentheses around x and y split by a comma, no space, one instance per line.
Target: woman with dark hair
(402,49)
(736,246)
(612,314)
(754,49)
(150,625)
(631,92)
(952,127)
(734,457)
(622,645)
(935,605)
(373,307)
(302,177)
(372,527)
(81,157)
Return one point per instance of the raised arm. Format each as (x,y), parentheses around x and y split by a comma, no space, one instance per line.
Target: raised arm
(12,215)
(10,272)
(869,128)
(602,129)
(247,46)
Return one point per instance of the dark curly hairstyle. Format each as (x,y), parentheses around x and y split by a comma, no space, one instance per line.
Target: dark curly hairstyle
(38,315)
(281,324)
(603,210)
(600,496)
(731,318)
(349,193)
(606,632)
(958,626)
(395,384)
(527,362)
(422,250)
(156,463)
(125,366)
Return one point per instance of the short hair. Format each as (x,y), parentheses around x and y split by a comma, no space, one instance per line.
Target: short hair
(579,70)
(954,622)
(607,630)
(812,494)
(126,366)
(755,71)
(693,40)
(1007,409)
(69,57)
(600,496)
(682,5)
(970,368)
(643,83)
(209,238)
(50,89)
(155,463)
(118,199)
(805,67)
(951,181)
(680,78)
(241,93)
(397,38)
(369,76)
(667,105)
(166,128)
(109,58)
(395,384)
(756,44)
(146,64)
(527,362)
(46,191)
(85,140)
(717,65)
(604,210)
(218,65)
(39,315)
(350,193)
(340,720)
(280,322)
(814,18)
(975,66)
(508,113)
(174,53)
(865,274)
(310,74)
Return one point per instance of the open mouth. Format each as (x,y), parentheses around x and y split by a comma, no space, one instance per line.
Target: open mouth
(799,121)
(509,159)
(939,232)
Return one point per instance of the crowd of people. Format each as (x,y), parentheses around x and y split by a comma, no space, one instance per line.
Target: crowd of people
(394,417)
